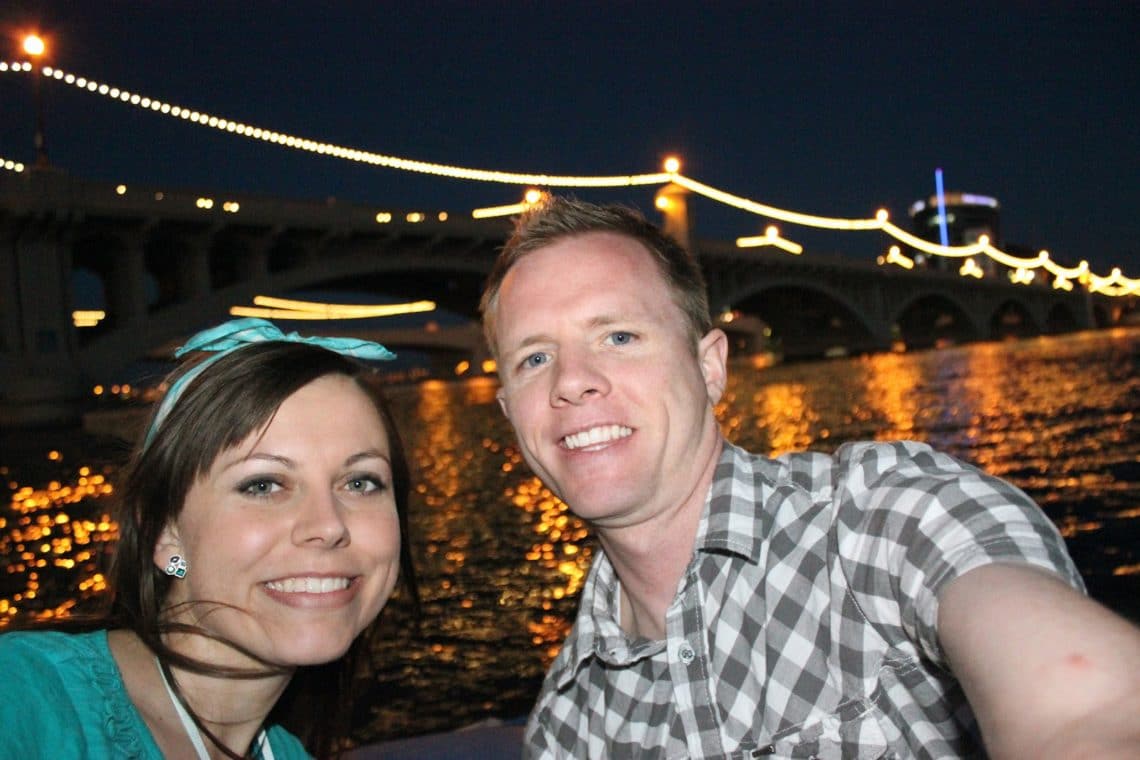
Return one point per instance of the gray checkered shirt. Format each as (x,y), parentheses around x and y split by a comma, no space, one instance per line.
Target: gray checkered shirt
(804,627)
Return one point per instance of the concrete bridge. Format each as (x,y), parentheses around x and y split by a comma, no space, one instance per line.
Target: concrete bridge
(169,262)
(816,304)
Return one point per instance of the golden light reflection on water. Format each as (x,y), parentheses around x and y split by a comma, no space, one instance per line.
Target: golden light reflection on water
(1071,526)
(890,381)
(438,459)
(43,544)
(462,475)
(560,550)
(560,533)
(480,390)
(465,534)
(993,391)
(784,411)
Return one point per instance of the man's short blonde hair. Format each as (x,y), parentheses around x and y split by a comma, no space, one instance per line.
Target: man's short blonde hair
(560,218)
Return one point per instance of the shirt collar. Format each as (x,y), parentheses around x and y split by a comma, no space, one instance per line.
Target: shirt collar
(734,519)
(597,632)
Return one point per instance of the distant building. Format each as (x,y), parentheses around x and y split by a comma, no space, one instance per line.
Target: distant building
(968,217)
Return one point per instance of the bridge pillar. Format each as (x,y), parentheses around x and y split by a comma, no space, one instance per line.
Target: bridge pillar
(255,263)
(126,295)
(9,291)
(673,203)
(39,380)
(193,273)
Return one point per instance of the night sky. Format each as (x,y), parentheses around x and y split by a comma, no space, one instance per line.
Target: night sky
(828,108)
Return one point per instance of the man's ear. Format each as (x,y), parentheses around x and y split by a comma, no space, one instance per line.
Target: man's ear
(501,397)
(712,355)
(167,545)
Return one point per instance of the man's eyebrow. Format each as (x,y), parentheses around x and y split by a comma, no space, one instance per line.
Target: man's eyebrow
(604,320)
(530,340)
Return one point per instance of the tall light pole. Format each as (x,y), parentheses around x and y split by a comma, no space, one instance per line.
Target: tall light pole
(35,47)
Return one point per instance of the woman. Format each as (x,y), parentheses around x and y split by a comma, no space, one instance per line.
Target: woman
(263,524)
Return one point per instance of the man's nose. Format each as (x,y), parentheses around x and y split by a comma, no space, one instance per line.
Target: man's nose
(577,377)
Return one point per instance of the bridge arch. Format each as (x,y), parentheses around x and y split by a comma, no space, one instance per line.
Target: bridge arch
(1102,314)
(89,259)
(930,319)
(1013,319)
(809,319)
(1060,319)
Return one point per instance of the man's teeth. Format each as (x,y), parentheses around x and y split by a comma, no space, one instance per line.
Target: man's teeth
(596,435)
(308,585)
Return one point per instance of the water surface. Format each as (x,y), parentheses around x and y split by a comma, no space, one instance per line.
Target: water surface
(501,560)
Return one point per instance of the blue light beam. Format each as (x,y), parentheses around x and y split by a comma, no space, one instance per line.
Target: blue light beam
(944,235)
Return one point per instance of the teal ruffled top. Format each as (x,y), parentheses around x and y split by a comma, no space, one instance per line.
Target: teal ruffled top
(61,695)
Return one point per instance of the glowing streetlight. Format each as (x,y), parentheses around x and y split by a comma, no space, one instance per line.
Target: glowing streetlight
(35,46)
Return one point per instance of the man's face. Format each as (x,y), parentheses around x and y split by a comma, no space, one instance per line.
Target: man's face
(611,407)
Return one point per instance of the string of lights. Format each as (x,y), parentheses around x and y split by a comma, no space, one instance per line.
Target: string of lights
(10,165)
(1115,284)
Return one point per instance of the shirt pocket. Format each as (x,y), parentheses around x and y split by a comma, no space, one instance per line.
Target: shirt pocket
(853,732)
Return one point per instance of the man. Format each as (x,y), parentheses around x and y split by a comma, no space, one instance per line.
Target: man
(884,601)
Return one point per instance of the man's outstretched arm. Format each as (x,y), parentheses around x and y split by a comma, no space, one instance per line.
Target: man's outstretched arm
(1048,671)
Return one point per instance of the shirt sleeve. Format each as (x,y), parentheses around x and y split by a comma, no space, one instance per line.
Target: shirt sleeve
(912,519)
(33,703)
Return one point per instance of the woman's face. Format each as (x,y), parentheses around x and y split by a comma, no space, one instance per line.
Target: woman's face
(293,532)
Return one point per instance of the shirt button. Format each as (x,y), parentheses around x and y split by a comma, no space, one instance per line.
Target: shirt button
(686,653)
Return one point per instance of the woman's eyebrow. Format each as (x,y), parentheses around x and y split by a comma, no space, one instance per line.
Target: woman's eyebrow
(367,454)
(260,456)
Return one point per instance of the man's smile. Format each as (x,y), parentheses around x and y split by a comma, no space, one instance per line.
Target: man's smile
(596,435)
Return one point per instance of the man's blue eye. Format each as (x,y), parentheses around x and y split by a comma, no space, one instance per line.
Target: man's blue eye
(621,338)
(535,360)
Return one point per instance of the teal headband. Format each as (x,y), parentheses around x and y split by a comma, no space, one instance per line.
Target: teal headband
(230,336)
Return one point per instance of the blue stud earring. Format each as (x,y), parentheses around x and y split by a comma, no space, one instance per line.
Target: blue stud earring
(176,566)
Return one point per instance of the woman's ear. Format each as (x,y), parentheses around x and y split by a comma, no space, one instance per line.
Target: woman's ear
(167,545)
